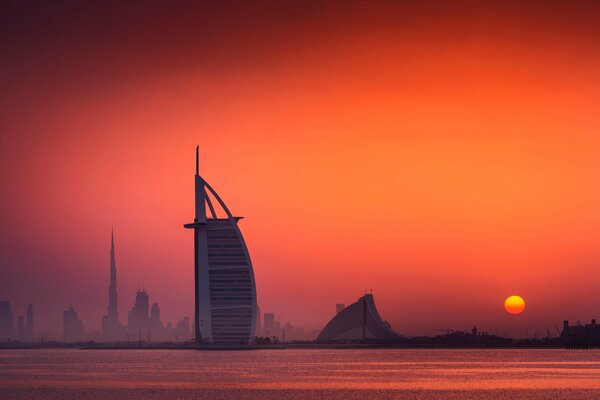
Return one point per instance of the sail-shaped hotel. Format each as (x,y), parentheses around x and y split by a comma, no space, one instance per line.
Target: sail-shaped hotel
(225,302)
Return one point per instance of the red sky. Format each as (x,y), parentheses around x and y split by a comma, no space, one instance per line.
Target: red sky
(443,154)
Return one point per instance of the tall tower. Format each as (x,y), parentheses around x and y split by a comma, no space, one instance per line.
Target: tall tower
(111,328)
(225,292)
(113,309)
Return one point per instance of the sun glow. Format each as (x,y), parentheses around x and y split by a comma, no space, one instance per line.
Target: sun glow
(514,305)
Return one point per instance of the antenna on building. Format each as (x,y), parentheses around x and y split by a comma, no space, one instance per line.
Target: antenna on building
(197,160)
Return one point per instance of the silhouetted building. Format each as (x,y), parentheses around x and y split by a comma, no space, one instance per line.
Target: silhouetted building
(358,322)
(138,316)
(155,322)
(6,321)
(158,332)
(111,327)
(339,308)
(291,332)
(225,302)
(457,338)
(72,326)
(270,329)
(182,332)
(581,335)
(273,328)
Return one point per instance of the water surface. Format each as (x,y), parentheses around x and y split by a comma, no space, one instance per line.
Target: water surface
(300,374)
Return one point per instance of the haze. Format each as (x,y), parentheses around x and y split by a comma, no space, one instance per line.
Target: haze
(445,156)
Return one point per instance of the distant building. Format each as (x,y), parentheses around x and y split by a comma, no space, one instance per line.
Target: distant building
(155,313)
(270,328)
(358,322)
(158,331)
(182,332)
(581,334)
(6,321)
(338,308)
(72,326)
(155,323)
(273,327)
(139,320)
(111,327)
(291,332)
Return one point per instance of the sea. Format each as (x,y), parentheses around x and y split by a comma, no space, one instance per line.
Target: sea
(53,374)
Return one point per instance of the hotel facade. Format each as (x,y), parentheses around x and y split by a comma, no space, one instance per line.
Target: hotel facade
(225,290)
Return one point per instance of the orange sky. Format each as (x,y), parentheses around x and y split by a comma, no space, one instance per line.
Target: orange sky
(444,155)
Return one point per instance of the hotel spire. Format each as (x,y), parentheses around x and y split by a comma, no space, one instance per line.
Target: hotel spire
(197,160)
(200,196)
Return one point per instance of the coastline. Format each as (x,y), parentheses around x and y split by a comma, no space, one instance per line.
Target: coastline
(283,346)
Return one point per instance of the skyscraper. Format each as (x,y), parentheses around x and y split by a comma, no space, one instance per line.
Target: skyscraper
(269,327)
(139,319)
(111,327)
(157,329)
(6,321)
(155,315)
(182,332)
(225,302)
(72,326)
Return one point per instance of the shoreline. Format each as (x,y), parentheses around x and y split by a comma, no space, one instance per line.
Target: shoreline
(283,346)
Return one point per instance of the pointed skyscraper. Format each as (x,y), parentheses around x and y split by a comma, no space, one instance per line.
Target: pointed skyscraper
(225,302)
(111,328)
(113,309)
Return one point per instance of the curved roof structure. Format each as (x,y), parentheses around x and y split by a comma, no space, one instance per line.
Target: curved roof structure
(358,321)
(225,311)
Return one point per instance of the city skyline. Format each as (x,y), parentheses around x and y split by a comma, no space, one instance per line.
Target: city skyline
(443,155)
(143,322)
(392,199)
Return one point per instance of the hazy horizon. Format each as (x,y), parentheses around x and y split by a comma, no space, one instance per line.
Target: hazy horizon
(443,155)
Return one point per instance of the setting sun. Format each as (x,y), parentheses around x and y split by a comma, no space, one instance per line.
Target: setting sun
(514,305)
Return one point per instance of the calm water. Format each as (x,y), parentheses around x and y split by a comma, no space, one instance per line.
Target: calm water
(300,374)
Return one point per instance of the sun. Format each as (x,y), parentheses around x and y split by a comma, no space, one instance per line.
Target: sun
(514,305)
